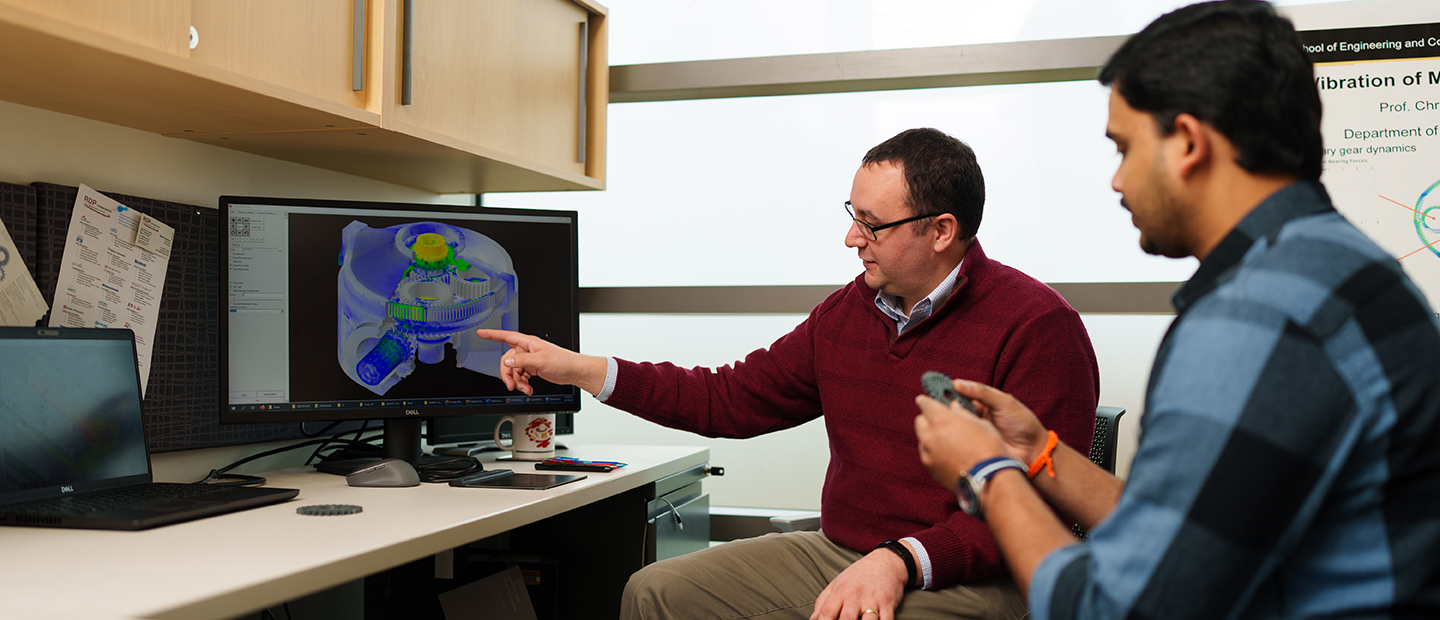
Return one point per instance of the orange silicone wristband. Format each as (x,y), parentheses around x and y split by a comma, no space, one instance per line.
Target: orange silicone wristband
(1044,461)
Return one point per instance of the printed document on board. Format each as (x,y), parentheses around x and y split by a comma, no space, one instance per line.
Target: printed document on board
(20,300)
(1380,88)
(105,279)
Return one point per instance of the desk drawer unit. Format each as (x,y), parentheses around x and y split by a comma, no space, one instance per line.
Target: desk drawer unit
(678,518)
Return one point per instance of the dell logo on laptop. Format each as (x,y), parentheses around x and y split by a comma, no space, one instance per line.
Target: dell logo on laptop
(67,489)
(412,412)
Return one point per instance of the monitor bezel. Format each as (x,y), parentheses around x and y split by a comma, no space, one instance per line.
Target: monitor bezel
(228,416)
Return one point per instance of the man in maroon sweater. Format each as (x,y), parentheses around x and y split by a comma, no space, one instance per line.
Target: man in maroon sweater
(894,543)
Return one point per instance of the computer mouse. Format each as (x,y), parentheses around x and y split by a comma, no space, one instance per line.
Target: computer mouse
(385,473)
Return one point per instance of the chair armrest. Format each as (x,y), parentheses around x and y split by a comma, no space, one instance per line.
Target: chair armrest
(804,522)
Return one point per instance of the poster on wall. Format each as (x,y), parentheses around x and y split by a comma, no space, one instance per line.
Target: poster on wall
(1380,88)
(112,272)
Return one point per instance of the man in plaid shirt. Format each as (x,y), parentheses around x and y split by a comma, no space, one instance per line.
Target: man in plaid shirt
(1288,465)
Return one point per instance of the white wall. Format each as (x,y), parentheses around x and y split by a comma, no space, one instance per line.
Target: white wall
(647,31)
(40,145)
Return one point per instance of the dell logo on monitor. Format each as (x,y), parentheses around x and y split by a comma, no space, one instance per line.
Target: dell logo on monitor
(67,489)
(412,412)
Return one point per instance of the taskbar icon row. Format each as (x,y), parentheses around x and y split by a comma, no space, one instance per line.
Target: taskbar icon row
(406,403)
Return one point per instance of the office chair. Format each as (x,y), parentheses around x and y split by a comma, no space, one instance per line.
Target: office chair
(1107,427)
(1102,453)
(1102,448)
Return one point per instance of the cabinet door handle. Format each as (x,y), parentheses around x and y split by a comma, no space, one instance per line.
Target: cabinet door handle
(357,49)
(679,523)
(405,72)
(584,69)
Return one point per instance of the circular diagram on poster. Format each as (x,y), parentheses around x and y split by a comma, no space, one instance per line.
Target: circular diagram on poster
(1427,218)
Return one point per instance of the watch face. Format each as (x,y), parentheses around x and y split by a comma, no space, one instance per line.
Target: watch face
(969,502)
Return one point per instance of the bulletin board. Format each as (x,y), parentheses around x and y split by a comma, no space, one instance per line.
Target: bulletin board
(182,397)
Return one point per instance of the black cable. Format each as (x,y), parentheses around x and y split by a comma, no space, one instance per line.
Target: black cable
(320,432)
(218,474)
(438,471)
(317,451)
(449,469)
(336,437)
(363,448)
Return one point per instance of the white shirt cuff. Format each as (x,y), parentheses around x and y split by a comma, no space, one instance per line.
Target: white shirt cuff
(611,370)
(924,558)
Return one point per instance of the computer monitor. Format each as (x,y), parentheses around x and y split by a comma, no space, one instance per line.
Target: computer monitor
(347,310)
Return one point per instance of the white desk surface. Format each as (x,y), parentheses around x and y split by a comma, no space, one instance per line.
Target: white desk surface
(223,566)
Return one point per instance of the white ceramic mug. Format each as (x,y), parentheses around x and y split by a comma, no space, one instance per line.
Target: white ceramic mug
(532,436)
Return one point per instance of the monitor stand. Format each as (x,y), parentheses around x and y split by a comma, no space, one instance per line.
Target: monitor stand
(400,441)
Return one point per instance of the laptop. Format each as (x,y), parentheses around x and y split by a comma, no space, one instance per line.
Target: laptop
(72,441)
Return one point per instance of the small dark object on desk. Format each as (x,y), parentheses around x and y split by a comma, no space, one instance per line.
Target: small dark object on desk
(507,479)
(329,510)
(479,476)
(565,466)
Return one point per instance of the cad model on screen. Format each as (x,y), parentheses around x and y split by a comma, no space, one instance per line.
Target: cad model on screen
(407,290)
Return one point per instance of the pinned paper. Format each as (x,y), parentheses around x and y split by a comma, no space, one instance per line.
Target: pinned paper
(20,300)
(105,279)
(154,236)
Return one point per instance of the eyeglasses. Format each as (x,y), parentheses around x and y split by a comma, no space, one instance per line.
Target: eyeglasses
(870,229)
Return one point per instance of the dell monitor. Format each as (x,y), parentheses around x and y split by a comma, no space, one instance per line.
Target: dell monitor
(347,310)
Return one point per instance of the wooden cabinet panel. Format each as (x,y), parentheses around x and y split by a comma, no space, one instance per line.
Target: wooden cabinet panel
(308,46)
(52,64)
(500,74)
(496,88)
(160,24)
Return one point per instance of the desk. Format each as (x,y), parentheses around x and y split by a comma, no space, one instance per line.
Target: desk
(225,566)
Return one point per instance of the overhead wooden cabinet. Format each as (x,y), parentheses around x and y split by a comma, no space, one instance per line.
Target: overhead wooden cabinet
(506,75)
(503,95)
(160,24)
(312,46)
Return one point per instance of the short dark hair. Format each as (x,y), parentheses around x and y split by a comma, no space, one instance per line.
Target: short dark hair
(1235,65)
(941,175)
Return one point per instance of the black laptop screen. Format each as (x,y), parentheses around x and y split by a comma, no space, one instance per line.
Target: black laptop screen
(69,415)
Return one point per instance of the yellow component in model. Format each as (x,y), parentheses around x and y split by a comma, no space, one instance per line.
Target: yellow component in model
(430,248)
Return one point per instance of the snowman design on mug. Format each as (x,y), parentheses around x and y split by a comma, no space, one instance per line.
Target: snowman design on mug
(540,431)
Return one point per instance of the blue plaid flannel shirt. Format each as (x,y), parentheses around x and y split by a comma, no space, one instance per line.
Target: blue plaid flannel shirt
(1289,464)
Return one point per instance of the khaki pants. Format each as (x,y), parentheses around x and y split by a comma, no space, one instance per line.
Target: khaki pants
(779,576)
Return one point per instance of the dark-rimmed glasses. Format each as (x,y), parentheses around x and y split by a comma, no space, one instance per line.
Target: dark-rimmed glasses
(869,230)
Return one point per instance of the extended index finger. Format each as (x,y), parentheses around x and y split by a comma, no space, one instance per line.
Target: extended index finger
(514,339)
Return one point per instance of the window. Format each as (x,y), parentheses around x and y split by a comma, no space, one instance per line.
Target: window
(689,181)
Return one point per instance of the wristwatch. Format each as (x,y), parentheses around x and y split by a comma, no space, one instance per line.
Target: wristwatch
(973,482)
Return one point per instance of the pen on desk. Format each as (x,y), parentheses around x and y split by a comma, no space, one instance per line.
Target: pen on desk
(568,459)
(562,466)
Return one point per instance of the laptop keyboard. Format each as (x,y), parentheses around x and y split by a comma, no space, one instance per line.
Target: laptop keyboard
(119,498)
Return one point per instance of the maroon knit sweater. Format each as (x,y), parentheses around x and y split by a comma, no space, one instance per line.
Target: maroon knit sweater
(999,327)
